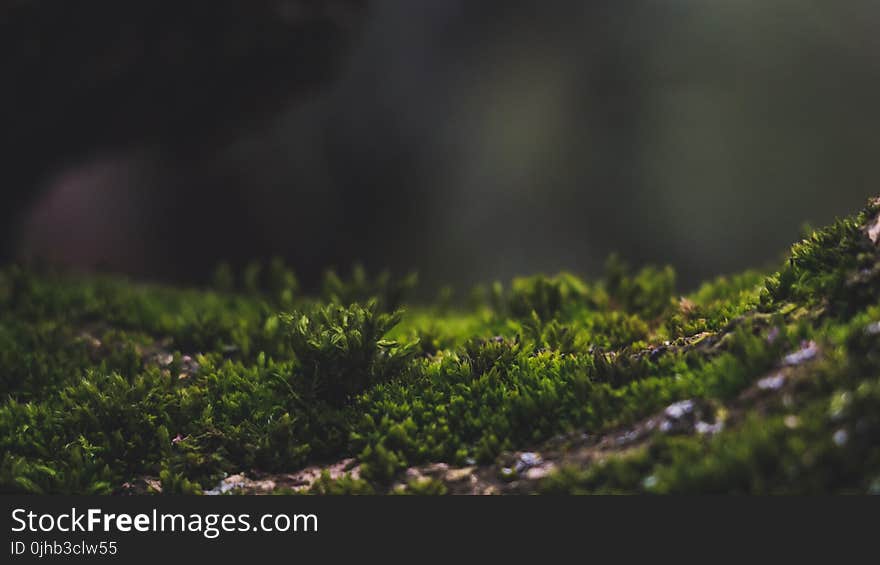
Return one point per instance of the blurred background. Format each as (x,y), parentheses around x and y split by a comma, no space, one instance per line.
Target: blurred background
(475,141)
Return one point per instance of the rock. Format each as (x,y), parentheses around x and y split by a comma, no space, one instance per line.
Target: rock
(773,382)
(657,352)
(456,475)
(808,351)
(679,409)
(526,461)
(435,469)
(541,471)
(226,485)
(413,474)
(189,365)
(705,428)
(241,482)
(627,437)
(678,417)
(162,359)
(687,416)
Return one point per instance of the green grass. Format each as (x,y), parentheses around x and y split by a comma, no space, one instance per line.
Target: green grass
(105,380)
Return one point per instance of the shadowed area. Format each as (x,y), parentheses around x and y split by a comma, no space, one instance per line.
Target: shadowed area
(470,141)
(105,84)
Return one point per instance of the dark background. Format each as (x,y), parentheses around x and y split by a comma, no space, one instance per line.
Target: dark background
(468,140)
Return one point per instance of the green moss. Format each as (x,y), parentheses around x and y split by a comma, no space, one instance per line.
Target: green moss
(422,487)
(344,485)
(106,380)
(648,293)
(341,350)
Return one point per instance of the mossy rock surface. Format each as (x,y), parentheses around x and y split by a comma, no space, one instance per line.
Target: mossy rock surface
(763,382)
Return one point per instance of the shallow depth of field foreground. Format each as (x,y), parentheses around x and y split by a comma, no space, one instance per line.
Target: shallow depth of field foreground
(755,383)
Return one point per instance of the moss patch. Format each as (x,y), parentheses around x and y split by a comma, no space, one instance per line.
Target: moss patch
(760,382)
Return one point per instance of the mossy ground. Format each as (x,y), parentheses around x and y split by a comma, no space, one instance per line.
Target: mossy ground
(755,383)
